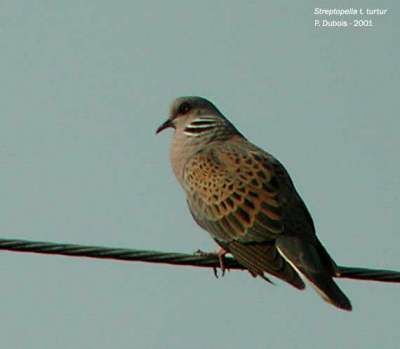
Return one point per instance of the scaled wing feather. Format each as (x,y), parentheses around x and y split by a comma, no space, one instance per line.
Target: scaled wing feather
(233,193)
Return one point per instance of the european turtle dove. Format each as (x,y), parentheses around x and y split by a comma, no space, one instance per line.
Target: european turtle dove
(246,200)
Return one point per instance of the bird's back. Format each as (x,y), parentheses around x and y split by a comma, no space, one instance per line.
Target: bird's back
(233,193)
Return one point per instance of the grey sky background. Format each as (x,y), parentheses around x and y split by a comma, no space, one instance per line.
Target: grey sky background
(83,85)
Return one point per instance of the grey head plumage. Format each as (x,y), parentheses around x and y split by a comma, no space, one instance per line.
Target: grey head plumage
(199,120)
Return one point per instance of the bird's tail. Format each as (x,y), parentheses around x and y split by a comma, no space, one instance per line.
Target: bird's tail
(367,274)
(306,259)
(328,289)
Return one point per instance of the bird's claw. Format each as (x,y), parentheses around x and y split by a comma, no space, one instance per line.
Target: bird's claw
(220,254)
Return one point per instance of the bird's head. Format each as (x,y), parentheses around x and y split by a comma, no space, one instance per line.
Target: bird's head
(193,116)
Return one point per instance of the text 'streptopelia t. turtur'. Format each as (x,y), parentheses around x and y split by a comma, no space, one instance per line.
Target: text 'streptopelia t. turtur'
(246,200)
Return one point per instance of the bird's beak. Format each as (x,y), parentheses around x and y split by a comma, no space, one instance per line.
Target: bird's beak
(164,125)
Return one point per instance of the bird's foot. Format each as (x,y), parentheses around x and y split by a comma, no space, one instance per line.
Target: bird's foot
(221,258)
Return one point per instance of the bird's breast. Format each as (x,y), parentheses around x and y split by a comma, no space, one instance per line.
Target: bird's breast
(180,152)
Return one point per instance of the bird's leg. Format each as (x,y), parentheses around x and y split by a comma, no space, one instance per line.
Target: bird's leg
(221,257)
(220,254)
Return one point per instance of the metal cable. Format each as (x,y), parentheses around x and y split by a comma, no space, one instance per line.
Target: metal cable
(196,260)
(369,274)
(124,254)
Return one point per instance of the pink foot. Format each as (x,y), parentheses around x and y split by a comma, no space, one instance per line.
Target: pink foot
(221,257)
(220,254)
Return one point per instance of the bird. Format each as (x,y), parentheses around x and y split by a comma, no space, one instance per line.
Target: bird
(245,199)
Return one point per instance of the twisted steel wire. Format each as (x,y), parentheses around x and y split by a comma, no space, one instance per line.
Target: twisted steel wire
(196,260)
(369,274)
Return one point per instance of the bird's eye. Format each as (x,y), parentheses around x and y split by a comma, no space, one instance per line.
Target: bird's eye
(184,108)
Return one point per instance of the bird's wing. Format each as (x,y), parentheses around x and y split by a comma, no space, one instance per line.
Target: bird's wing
(234,193)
